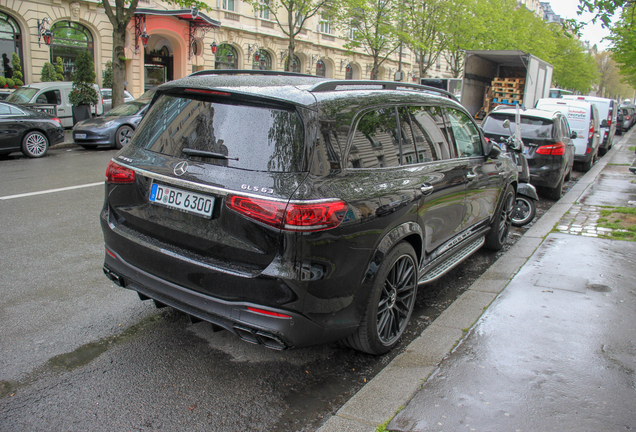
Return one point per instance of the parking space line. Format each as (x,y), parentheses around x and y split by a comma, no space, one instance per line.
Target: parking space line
(8,197)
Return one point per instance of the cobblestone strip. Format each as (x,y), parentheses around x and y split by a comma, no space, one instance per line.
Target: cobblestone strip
(583,220)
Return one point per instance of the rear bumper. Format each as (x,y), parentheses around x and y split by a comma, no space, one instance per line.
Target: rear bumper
(293,330)
(548,175)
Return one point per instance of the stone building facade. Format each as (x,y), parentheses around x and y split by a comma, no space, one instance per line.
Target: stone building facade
(180,43)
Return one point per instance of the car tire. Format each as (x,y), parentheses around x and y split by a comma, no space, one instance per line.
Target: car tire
(525,210)
(35,144)
(556,192)
(122,136)
(390,303)
(500,227)
(588,165)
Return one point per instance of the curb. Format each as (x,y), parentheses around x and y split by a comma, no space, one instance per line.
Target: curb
(395,385)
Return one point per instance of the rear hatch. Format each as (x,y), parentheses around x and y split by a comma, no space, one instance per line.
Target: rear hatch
(192,153)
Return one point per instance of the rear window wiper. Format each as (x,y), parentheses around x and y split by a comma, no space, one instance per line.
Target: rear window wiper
(203,153)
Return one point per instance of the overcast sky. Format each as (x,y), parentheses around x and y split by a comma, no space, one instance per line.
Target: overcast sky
(591,32)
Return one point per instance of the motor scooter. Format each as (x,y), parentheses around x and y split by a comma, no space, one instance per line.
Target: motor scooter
(525,208)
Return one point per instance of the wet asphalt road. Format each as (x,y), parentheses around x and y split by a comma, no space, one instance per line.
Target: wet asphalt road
(79,353)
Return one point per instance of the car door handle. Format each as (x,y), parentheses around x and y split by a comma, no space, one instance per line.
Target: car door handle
(426,189)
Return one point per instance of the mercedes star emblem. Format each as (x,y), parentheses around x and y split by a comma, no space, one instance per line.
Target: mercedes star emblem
(181,168)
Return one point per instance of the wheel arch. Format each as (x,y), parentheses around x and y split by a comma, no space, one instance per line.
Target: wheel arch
(411,232)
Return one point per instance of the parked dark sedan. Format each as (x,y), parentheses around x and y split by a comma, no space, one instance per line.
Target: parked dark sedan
(115,128)
(548,145)
(31,132)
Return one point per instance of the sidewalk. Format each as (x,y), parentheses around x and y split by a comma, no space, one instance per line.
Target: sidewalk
(555,351)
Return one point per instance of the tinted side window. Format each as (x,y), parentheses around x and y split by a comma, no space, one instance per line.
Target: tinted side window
(465,134)
(4,109)
(50,97)
(565,127)
(375,142)
(429,129)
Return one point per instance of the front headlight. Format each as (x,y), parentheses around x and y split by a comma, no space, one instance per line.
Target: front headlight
(107,124)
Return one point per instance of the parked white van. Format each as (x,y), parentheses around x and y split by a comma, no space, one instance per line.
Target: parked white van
(53,93)
(583,117)
(608,109)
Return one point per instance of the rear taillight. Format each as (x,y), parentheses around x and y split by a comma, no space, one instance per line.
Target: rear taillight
(557,149)
(57,120)
(591,130)
(117,174)
(293,216)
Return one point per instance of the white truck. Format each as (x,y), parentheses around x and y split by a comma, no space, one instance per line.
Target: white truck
(494,78)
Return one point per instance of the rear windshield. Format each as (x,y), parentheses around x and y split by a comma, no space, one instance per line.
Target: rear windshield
(252,137)
(531,127)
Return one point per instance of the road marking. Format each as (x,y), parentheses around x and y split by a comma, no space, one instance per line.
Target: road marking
(8,197)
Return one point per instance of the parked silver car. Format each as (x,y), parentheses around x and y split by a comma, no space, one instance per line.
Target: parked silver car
(107,95)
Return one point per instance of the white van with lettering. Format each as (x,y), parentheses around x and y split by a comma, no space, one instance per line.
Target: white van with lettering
(583,117)
(608,110)
(53,93)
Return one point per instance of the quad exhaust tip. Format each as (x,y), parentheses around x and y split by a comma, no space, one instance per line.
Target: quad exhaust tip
(259,337)
(118,280)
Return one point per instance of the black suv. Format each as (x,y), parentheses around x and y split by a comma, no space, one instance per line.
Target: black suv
(294,210)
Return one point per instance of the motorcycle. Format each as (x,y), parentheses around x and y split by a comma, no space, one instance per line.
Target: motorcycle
(525,207)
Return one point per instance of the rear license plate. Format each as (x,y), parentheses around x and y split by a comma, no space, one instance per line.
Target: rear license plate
(179,199)
(80,136)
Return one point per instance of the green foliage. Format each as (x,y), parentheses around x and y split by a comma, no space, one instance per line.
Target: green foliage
(10,83)
(3,82)
(59,69)
(83,92)
(376,28)
(48,73)
(108,75)
(623,44)
(17,70)
(574,67)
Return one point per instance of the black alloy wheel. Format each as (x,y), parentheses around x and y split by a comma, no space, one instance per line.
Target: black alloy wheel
(500,227)
(390,305)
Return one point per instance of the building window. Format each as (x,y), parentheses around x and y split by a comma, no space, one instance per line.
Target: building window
(10,42)
(320,68)
(226,57)
(228,5)
(69,40)
(295,64)
(325,23)
(264,61)
(264,13)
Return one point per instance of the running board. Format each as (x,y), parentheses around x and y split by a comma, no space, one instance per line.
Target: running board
(448,263)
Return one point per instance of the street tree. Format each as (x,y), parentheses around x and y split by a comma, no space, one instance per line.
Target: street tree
(291,17)
(373,26)
(574,67)
(119,14)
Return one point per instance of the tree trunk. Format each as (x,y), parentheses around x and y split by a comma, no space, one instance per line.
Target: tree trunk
(119,64)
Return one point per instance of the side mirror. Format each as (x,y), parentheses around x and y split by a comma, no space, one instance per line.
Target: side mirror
(492,151)
(574,135)
(604,123)
(506,124)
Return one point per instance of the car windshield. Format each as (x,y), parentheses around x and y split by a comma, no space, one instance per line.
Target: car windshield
(245,136)
(126,109)
(531,127)
(22,95)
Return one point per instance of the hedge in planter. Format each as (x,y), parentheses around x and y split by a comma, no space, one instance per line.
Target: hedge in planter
(83,93)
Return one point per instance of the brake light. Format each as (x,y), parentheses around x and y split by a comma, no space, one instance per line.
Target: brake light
(266,312)
(293,216)
(57,120)
(591,129)
(557,149)
(117,174)
(211,92)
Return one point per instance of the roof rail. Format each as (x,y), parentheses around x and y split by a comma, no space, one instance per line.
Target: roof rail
(249,72)
(385,85)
